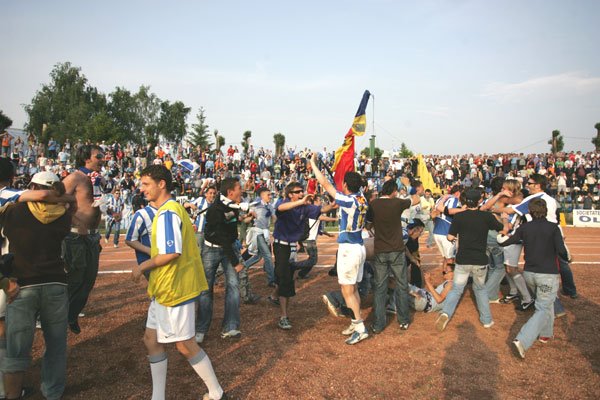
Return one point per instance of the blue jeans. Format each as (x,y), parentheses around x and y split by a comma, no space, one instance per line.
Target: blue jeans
(394,262)
(211,258)
(264,251)
(541,323)
(109,228)
(429,228)
(461,276)
(566,275)
(51,302)
(496,270)
(306,265)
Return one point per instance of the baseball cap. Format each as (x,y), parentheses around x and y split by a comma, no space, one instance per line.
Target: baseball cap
(45,178)
(473,195)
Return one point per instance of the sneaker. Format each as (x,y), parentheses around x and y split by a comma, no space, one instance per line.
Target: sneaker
(207,397)
(252,299)
(75,328)
(349,330)
(518,348)
(497,301)
(544,339)
(574,296)
(81,315)
(199,337)
(404,327)
(232,334)
(357,337)
(284,323)
(560,314)
(105,241)
(116,246)
(524,306)
(509,298)
(330,307)
(273,300)
(487,326)
(38,325)
(25,393)
(441,322)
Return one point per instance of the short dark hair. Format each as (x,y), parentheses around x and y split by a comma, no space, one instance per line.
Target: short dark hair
(261,191)
(228,184)
(84,153)
(354,181)
(7,169)
(388,188)
(291,186)
(456,188)
(538,208)
(496,184)
(159,173)
(417,223)
(210,187)
(540,180)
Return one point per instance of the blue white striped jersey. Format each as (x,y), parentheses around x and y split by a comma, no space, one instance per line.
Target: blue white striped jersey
(114,206)
(353,209)
(141,230)
(441,225)
(523,207)
(9,195)
(404,234)
(200,221)
(168,233)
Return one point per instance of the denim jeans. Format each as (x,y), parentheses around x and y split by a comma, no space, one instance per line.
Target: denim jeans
(566,275)
(82,255)
(394,262)
(496,270)
(264,251)
(461,276)
(211,258)
(109,228)
(429,228)
(51,303)
(541,323)
(306,265)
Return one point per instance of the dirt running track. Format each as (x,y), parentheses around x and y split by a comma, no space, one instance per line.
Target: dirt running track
(107,360)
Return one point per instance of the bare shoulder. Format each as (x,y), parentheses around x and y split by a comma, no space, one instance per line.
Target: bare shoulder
(74,180)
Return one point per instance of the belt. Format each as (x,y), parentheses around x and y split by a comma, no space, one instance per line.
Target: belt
(209,244)
(284,242)
(86,232)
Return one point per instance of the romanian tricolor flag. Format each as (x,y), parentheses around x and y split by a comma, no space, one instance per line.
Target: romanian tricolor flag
(344,156)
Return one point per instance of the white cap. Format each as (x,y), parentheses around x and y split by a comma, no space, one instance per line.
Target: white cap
(45,178)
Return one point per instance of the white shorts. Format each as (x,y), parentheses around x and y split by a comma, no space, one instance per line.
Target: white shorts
(446,247)
(2,304)
(350,263)
(172,324)
(512,254)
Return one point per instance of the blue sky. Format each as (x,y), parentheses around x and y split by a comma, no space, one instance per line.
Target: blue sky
(448,76)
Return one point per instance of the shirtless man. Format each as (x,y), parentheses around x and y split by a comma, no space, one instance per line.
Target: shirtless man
(82,245)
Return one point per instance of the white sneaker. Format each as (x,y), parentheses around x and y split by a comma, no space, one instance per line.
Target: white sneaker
(234,333)
(349,330)
(81,315)
(199,337)
(441,322)
(116,245)
(105,241)
(518,347)
(488,325)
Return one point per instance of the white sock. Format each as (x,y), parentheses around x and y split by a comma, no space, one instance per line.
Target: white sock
(359,325)
(203,367)
(158,368)
(2,354)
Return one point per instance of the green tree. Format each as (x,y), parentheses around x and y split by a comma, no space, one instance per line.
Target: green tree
(200,136)
(596,140)
(66,105)
(123,110)
(556,143)
(405,152)
(279,140)
(5,121)
(367,151)
(171,124)
(148,110)
(246,141)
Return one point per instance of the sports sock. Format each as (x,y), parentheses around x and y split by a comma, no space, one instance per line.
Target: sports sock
(158,368)
(203,367)
(359,325)
(2,354)
(522,286)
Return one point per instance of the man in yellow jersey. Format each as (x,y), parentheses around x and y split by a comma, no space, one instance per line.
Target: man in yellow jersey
(176,280)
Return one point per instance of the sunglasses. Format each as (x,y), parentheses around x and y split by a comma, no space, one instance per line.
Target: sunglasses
(297,191)
(531,183)
(100,156)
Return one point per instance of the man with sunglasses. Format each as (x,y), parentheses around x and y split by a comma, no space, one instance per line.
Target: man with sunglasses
(537,186)
(82,245)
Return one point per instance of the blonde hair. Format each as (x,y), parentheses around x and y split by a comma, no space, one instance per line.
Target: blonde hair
(513,185)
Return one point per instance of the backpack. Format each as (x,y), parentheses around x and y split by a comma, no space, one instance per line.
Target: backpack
(307,229)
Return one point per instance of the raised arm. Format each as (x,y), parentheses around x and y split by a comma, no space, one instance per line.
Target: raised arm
(329,188)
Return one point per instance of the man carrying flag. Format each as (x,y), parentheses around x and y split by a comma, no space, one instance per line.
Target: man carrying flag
(353,208)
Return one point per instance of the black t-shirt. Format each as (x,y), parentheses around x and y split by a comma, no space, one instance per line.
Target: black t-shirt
(471,227)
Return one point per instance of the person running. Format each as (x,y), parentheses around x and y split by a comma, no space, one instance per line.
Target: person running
(176,280)
(471,228)
(351,251)
(114,214)
(543,244)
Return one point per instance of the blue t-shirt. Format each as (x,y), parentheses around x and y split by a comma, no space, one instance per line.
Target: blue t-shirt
(289,225)
(442,223)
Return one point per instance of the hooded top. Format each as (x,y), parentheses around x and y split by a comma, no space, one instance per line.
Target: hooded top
(34,233)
